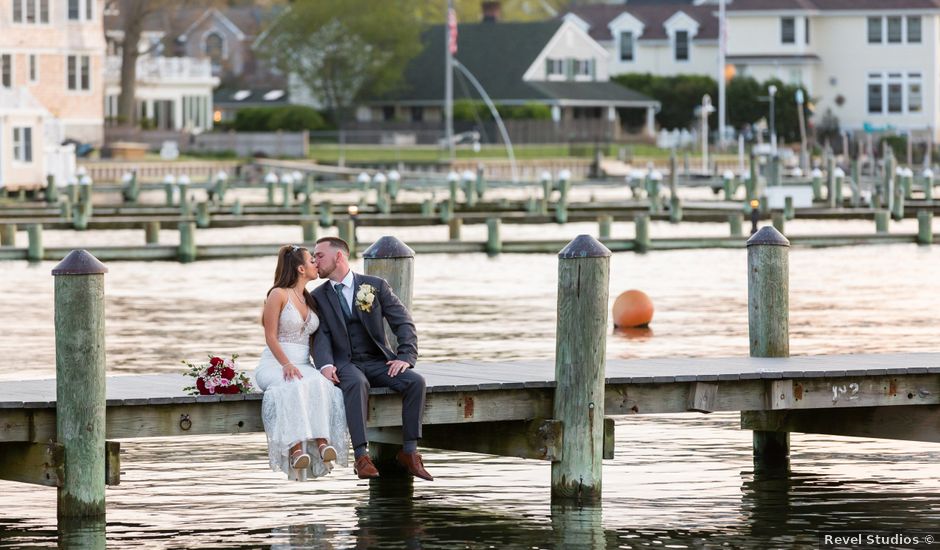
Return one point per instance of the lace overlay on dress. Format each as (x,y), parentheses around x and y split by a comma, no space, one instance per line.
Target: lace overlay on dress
(299,410)
(294,330)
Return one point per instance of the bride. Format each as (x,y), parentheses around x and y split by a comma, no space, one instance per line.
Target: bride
(300,405)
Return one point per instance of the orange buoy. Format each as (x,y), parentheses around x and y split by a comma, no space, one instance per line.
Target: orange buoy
(632,308)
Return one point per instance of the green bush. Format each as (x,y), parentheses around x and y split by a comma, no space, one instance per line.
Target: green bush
(471,111)
(289,118)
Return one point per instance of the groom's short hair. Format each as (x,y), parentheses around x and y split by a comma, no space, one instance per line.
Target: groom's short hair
(335,242)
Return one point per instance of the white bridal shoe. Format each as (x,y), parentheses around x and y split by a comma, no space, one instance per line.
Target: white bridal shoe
(327,453)
(300,461)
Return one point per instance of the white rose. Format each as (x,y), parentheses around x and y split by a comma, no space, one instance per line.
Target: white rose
(368,299)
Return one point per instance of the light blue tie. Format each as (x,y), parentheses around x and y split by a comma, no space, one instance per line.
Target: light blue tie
(342,299)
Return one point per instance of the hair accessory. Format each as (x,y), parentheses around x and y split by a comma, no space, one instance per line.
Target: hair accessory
(294,248)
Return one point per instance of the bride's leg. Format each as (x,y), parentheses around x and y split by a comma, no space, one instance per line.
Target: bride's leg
(298,458)
(327,452)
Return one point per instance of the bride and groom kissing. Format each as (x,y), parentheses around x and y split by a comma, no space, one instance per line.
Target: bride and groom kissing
(342,325)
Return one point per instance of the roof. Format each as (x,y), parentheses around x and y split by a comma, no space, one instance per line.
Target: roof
(18,101)
(249,20)
(498,55)
(832,5)
(653,14)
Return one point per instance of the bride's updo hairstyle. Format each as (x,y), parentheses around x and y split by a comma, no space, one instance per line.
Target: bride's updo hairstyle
(289,258)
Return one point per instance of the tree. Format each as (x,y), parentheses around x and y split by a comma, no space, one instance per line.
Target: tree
(133,13)
(341,48)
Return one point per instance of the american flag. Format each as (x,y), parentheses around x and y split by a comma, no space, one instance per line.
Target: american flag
(452,30)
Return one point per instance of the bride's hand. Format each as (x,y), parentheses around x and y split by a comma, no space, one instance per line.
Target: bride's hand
(291,372)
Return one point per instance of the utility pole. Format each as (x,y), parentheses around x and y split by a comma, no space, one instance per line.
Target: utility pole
(450,46)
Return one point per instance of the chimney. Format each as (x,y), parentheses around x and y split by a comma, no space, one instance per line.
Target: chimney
(491,11)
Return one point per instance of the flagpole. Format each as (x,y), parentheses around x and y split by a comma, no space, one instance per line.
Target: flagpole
(449,81)
(721,74)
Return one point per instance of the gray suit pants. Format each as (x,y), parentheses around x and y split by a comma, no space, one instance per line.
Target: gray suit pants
(356,379)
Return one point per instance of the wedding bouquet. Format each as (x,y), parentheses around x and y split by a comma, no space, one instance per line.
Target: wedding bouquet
(217,376)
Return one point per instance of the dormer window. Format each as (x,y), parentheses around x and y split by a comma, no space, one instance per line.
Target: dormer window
(788,30)
(682,45)
(626,46)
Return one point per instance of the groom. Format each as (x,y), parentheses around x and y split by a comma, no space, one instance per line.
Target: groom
(352,350)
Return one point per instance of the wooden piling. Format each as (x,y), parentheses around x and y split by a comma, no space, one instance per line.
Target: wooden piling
(152,232)
(237,208)
(35,251)
(309,229)
(642,232)
(169,191)
(347,232)
(604,224)
(788,212)
(580,345)
(561,211)
(768,290)
(187,247)
(897,207)
(453,227)
(447,211)
(817,184)
(80,383)
(8,234)
(675,209)
(924,227)
(202,214)
(735,223)
(881,221)
(287,193)
(928,184)
(271,184)
(326,214)
(52,190)
(494,244)
(392,260)
(831,180)
(778,219)
(427,208)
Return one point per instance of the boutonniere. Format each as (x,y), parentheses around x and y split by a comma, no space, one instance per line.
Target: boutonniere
(364,297)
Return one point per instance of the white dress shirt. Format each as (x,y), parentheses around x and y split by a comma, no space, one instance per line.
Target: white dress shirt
(348,290)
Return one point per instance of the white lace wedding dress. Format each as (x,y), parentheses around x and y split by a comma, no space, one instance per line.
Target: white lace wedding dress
(300,410)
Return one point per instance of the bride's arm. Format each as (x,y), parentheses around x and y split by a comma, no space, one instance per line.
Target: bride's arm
(271,316)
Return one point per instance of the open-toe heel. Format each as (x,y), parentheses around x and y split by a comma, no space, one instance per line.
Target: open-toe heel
(300,460)
(327,453)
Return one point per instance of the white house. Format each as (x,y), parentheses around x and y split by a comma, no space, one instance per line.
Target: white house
(872,64)
(647,36)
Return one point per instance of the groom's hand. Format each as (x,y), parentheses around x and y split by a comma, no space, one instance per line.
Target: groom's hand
(396,367)
(330,374)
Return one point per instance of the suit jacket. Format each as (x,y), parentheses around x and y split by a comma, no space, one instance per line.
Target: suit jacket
(331,344)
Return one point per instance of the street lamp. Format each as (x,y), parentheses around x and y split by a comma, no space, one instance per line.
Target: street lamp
(755,215)
(772,91)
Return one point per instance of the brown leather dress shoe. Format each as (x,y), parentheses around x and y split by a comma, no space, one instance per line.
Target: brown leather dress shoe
(413,463)
(364,468)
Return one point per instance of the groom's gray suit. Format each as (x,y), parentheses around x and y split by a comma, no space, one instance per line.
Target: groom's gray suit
(359,349)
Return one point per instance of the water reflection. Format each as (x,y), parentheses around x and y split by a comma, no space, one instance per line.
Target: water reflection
(634,333)
(82,534)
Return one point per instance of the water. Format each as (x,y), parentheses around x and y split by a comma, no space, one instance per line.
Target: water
(683,481)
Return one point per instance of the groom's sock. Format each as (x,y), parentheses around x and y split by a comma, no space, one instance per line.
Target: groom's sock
(410,446)
(361,450)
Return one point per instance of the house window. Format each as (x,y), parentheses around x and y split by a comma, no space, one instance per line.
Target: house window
(33,69)
(913,29)
(582,67)
(788,30)
(806,30)
(874,30)
(81,9)
(388,112)
(894,30)
(895,93)
(682,45)
(6,70)
(215,48)
(36,11)
(875,94)
(23,144)
(915,100)
(417,114)
(554,66)
(626,46)
(79,73)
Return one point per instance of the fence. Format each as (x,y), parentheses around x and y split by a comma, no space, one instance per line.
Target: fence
(244,144)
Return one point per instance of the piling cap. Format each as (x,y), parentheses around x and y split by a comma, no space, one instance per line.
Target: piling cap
(79,262)
(584,246)
(767,236)
(388,247)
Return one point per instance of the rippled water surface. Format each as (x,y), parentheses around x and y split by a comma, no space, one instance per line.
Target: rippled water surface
(683,481)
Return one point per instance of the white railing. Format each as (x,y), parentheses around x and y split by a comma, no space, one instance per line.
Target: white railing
(162,68)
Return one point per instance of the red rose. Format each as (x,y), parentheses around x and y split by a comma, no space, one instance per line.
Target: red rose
(201,386)
(229,389)
(228,373)
(216,361)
